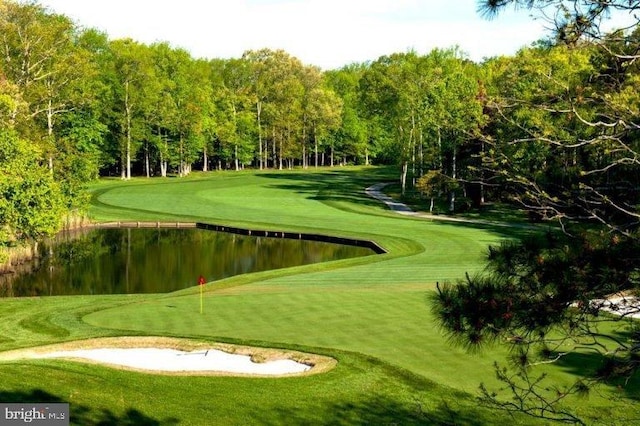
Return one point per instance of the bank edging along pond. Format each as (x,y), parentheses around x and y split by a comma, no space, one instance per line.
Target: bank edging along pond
(121,224)
(372,245)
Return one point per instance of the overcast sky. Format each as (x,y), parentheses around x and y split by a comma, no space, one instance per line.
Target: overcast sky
(326,33)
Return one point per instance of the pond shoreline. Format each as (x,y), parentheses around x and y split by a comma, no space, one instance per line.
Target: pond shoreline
(52,266)
(27,253)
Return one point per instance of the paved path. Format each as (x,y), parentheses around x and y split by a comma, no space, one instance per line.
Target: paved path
(375,191)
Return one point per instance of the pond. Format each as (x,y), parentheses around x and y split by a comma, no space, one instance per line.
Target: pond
(127,261)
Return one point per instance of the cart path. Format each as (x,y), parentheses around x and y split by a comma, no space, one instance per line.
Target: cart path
(375,191)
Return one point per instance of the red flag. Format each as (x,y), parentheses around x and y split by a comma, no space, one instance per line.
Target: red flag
(201,280)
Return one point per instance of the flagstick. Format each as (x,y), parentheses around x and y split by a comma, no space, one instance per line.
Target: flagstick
(201,281)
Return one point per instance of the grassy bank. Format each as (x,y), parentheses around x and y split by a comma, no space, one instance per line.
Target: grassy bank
(395,366)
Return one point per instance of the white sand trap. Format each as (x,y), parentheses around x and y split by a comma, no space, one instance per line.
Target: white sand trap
(174,360)
(628,306)
(165,355)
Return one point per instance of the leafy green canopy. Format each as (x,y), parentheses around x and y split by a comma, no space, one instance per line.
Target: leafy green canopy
(30,200)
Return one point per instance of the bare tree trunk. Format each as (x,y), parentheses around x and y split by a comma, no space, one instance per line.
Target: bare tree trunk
(50,134)
(315,144)
(482,177)
(406,152)
(259,111)
(127,108)
(316,151)
(146,160)
(440,150)
(452,197)
(403,175)
(123,167)
(304,158)
(421,152)
(304,147)
(273,148)
(181,168)
(412,148)
(163,162)
(128,160)
(205,159)
(163,166)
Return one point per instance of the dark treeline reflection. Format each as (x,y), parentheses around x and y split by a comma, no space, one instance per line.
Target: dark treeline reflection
(117,261)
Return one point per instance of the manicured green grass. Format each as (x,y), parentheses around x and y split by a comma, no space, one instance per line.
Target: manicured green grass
(395,366)
(358,391)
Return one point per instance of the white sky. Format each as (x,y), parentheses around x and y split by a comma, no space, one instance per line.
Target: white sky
(326,33)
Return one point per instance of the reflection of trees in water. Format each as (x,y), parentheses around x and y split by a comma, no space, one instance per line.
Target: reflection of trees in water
(108,261)
(56,260)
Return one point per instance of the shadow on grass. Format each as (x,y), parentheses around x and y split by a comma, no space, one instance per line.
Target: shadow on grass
(332,185)
(591,365)
(502,230)
(84,415)
(377,410)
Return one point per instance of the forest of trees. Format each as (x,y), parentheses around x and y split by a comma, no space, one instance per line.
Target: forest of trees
(80,105)
(76,105)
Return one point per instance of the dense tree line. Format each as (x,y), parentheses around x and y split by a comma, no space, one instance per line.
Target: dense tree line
(86,106)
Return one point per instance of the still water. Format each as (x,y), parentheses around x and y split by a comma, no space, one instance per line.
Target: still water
(127,261)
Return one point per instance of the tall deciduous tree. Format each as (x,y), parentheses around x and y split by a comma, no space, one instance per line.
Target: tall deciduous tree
(353,134)
(324,112)
(43,58)
(385,88)
(321,112)
(237,129)
(278,92)
(133,88)
(189,93)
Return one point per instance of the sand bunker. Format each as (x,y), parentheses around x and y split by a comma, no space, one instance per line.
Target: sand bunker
(180,356)
(628,306)
(174,360)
